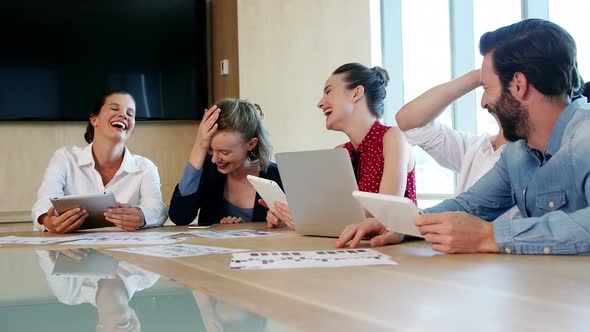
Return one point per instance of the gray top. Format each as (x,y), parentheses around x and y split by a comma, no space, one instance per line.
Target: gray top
(236,211)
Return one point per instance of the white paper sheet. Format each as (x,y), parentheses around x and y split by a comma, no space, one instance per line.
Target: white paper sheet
(38,240)
(178,250)
(115,238)
(231,234)
(307,259)
(144,235)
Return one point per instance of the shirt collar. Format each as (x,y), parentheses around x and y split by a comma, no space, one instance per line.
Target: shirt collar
(85,156)
(488,146)
(369,138)
(561,124)
(128,165)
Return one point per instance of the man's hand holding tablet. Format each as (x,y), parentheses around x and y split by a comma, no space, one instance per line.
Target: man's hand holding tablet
(394,217)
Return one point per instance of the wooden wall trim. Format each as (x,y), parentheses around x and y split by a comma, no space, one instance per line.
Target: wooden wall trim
(224,45)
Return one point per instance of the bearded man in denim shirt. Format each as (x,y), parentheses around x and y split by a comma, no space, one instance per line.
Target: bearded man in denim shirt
(529,74)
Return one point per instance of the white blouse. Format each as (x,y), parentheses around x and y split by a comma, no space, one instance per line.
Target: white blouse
(77,290)
(469,155)
(71,171)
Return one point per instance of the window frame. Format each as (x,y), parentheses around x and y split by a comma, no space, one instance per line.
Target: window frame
(462,59)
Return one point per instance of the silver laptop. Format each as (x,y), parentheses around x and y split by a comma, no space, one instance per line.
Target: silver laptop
(319,186)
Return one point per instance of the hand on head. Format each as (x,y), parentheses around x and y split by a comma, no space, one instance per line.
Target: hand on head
(208,127)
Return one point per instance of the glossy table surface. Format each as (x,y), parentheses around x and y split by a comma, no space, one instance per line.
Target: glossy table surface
(426,291)
(34,298)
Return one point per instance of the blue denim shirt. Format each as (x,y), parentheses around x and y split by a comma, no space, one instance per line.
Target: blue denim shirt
(551,190)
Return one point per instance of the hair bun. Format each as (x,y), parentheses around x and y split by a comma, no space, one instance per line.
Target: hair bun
(383,73)
(259,109)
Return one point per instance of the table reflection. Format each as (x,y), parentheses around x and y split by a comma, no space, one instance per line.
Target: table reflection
(104,294)
(78,276)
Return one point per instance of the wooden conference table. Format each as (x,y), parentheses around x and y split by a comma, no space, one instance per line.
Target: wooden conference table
(427,291)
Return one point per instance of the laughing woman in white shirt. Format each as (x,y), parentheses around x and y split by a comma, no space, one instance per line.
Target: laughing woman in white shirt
(104,165)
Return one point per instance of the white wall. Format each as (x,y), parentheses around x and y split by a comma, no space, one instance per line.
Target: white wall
(287,50)
(26,147)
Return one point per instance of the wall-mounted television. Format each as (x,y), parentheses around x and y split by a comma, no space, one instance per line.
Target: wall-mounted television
(58,56)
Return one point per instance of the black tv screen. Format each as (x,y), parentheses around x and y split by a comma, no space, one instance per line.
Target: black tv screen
(59,56)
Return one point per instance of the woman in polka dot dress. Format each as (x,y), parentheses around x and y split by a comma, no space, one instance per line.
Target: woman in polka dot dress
(352,103)
(382,160)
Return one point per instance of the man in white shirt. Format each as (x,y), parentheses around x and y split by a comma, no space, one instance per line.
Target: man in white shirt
(469,155)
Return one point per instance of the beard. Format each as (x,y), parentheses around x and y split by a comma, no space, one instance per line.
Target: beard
(513,117)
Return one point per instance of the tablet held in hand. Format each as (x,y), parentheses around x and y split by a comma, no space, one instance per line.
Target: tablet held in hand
(94,204)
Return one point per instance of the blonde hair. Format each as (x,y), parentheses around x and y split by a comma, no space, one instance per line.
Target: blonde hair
(246,118)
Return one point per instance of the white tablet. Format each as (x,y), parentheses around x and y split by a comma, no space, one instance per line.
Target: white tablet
(270,192)
(95,204)
(396,213)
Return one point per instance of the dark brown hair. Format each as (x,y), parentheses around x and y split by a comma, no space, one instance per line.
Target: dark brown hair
(542,50)
(89,135)
(374,80)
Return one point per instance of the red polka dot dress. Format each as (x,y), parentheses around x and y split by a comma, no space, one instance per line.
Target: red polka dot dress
(367,162)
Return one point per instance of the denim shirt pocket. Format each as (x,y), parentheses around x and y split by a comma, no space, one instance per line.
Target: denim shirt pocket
(551,200)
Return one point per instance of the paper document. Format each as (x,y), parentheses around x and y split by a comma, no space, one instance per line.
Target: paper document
(115,238)
(231,234)
(306,259)
(178,250)
(36,240)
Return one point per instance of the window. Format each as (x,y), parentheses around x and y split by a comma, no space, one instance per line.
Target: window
(571,15)
(488,16)
(428,42)
(426,62)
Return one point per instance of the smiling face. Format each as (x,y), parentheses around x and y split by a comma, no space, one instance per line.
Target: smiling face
(229,150)
(337,103)
(511,113)
(116,118)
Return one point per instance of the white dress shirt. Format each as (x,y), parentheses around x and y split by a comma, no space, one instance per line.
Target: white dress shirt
(77,290)
(71,171)
(469,155)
